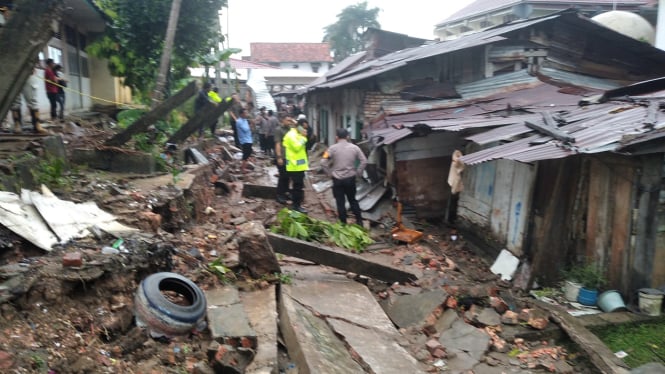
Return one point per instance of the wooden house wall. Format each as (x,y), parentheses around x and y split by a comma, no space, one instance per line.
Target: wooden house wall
(497,199)
(605,209)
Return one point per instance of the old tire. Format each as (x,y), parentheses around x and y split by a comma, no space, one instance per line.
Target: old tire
(163,317)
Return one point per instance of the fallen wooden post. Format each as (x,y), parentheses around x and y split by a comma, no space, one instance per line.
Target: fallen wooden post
(339,259)
(160,111)
(601,356)
(206,116)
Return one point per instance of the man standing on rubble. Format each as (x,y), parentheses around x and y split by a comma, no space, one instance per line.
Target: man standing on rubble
(283,177)
(295,158)
(245,137)
(344,162)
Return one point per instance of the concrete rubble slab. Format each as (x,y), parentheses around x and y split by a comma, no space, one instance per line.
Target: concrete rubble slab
(227,319)
(380,352)
(311,343)
(311,313)
(468,344)
(411,310)
(261,307)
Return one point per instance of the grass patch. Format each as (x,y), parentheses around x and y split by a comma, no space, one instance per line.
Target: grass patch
(643,342)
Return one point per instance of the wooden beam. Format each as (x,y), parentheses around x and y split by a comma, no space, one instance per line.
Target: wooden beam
(551,131)
(337,258)
(207,115)
(159,112)
(601,356)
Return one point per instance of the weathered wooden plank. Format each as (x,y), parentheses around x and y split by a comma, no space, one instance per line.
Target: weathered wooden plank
(159,112)
(520,206)
(601,356)
(337,258)
(500,210)
(620,235)
(597,221)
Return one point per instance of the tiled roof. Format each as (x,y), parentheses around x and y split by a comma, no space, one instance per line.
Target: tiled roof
(484,6)
(290,52)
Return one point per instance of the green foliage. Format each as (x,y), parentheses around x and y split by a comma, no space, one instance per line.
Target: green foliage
(589,276)
(346,36)
(643,342)
(301,226)
(52,172)
(135,39)
(223,273)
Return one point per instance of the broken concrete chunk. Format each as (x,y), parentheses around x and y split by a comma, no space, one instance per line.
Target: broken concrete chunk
(255,252)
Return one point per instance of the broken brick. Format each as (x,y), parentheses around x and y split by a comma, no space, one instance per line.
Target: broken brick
(538,323)
(6,360)
(72,259)
(510,318)
(525,314)
(440,353)
(498,304)
(432,345)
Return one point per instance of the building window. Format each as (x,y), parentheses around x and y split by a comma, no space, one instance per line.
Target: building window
(295,66)
(55,54)
(316,66)
(74,68)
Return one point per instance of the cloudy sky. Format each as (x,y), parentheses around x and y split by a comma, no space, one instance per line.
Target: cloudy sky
(248,21)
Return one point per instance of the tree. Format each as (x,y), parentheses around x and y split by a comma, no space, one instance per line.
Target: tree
(134,42)
(346,36)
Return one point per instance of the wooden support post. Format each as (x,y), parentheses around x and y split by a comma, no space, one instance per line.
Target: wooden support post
(337,258)
(160,111)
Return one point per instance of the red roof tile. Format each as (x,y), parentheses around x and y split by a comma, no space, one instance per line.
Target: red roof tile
(290,52)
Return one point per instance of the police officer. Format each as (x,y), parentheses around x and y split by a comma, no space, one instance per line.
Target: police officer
(295,155)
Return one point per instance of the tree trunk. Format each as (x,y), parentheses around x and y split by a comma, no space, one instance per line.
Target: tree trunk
(22,38)
(158,93)
(204,117)
(160,111)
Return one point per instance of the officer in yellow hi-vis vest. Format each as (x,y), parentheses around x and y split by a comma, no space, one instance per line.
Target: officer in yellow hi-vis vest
(295,154)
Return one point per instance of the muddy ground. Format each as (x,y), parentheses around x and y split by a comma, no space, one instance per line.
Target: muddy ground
(63,320)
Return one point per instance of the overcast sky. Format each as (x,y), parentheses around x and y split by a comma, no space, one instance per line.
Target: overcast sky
(303,21)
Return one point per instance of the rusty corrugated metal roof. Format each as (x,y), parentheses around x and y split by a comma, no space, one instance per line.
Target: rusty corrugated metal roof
(597,129)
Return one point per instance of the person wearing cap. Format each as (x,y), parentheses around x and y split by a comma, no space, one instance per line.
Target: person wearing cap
(344,161)
(295,163)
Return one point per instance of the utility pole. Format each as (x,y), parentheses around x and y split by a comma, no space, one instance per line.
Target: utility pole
(158,93)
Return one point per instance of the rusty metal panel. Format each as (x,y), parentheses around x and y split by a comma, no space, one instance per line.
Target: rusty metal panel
(421,184)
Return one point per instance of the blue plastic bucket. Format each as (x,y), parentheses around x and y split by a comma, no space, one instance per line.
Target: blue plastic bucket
(610,301)
(587,297)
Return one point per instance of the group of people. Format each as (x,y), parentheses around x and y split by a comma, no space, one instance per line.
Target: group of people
(289,142)
(55,82)
(343,162)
